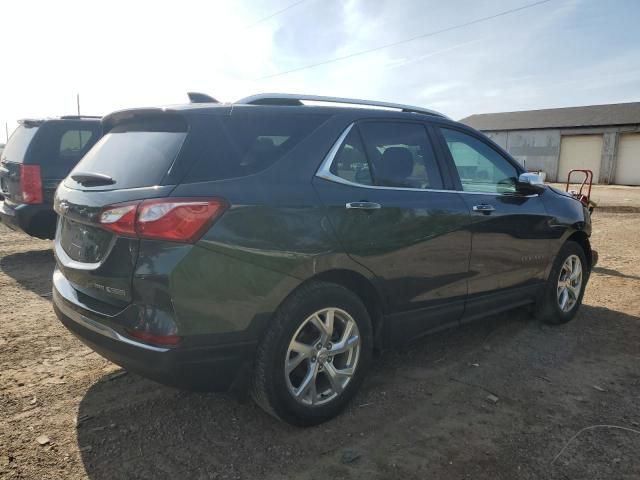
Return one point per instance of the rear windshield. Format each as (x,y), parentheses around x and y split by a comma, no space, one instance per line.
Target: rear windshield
(245,143)
(131,158)
(15,149)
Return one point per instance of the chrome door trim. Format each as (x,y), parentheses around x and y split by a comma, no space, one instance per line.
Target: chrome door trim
(363,206)
(324,172)
(483,208)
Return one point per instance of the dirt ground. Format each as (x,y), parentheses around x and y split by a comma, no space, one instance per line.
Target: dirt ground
(422,413)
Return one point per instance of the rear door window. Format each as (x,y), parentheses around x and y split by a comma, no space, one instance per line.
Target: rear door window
(16,148)
(388,154)
(245,142)
(401,155)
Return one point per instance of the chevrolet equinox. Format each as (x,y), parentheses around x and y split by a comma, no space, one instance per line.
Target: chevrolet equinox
(274,243)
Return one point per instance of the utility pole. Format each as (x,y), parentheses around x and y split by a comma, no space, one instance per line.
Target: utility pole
(6,131)
(78,102)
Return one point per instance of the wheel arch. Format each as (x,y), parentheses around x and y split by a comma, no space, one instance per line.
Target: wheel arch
(363,288)
(582,239)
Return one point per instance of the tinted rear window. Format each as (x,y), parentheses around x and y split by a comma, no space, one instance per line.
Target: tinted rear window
(131,158)
(246,143)
(15,149)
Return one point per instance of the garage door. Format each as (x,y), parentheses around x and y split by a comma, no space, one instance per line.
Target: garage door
(628,163)
(580,151)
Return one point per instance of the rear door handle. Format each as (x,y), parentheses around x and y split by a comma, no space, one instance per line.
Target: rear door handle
(363,205)
(483,208)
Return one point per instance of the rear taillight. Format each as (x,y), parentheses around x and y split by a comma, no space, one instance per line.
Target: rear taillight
(183,220)
(172,219)
(120,219)
(30,184)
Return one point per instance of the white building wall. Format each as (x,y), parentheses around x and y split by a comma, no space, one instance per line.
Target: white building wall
(540,150)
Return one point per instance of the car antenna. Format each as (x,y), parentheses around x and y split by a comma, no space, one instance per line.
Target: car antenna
(196,97)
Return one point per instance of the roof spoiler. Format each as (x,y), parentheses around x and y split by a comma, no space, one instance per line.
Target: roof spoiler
(172,119)
(197,97)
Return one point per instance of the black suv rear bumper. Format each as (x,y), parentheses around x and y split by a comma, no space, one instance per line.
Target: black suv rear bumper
(218,368)
(35,220)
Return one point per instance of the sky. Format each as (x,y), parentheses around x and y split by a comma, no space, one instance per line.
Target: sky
(135,53)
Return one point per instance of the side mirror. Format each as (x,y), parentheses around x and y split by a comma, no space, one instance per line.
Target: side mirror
(529,183)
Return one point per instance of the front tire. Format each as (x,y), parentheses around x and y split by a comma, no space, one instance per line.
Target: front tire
(565,286)
(314,356)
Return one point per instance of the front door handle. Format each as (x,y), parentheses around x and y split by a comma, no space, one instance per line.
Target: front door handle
(363,206)
(483,208)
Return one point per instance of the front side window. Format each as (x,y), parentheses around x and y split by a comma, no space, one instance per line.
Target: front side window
(480,167)
(388,154)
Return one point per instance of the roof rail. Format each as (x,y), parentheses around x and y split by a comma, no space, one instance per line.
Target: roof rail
(295,99)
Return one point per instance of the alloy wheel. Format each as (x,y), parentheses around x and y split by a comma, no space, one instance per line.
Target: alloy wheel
(322,356)
(569,283)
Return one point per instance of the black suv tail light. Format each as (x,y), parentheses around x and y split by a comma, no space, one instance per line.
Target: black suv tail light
(172,219)
(30,184)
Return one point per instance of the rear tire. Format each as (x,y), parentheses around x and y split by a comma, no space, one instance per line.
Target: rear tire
(562,295)
(305,372)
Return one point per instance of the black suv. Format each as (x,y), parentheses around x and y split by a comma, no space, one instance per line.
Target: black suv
(39,154)
(277,244)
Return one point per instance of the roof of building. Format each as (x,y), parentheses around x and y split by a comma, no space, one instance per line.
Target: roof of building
(589,116)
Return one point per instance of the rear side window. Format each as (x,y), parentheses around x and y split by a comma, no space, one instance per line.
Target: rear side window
(16,148)
(245,143)
(73,142)
(131,158)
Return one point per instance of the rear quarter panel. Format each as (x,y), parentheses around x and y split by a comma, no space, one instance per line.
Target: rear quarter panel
(253,257)
(274,236)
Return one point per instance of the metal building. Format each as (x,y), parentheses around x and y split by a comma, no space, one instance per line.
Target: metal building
(602,138)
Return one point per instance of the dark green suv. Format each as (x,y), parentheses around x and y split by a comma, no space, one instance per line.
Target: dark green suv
(273,244)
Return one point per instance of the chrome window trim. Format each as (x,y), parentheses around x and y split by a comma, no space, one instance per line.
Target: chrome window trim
(324,172)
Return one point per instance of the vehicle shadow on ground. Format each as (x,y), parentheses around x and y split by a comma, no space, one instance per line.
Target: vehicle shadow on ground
(132,427)
(32,270)
(614,273)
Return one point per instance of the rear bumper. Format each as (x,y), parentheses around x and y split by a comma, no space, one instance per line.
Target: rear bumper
(35,220)
(215,368)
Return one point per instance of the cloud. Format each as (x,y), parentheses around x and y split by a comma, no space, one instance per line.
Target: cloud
(127,54)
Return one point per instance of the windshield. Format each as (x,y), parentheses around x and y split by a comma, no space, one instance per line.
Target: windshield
(16,148)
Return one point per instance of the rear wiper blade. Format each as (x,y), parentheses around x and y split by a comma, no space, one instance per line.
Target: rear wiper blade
(87,179)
